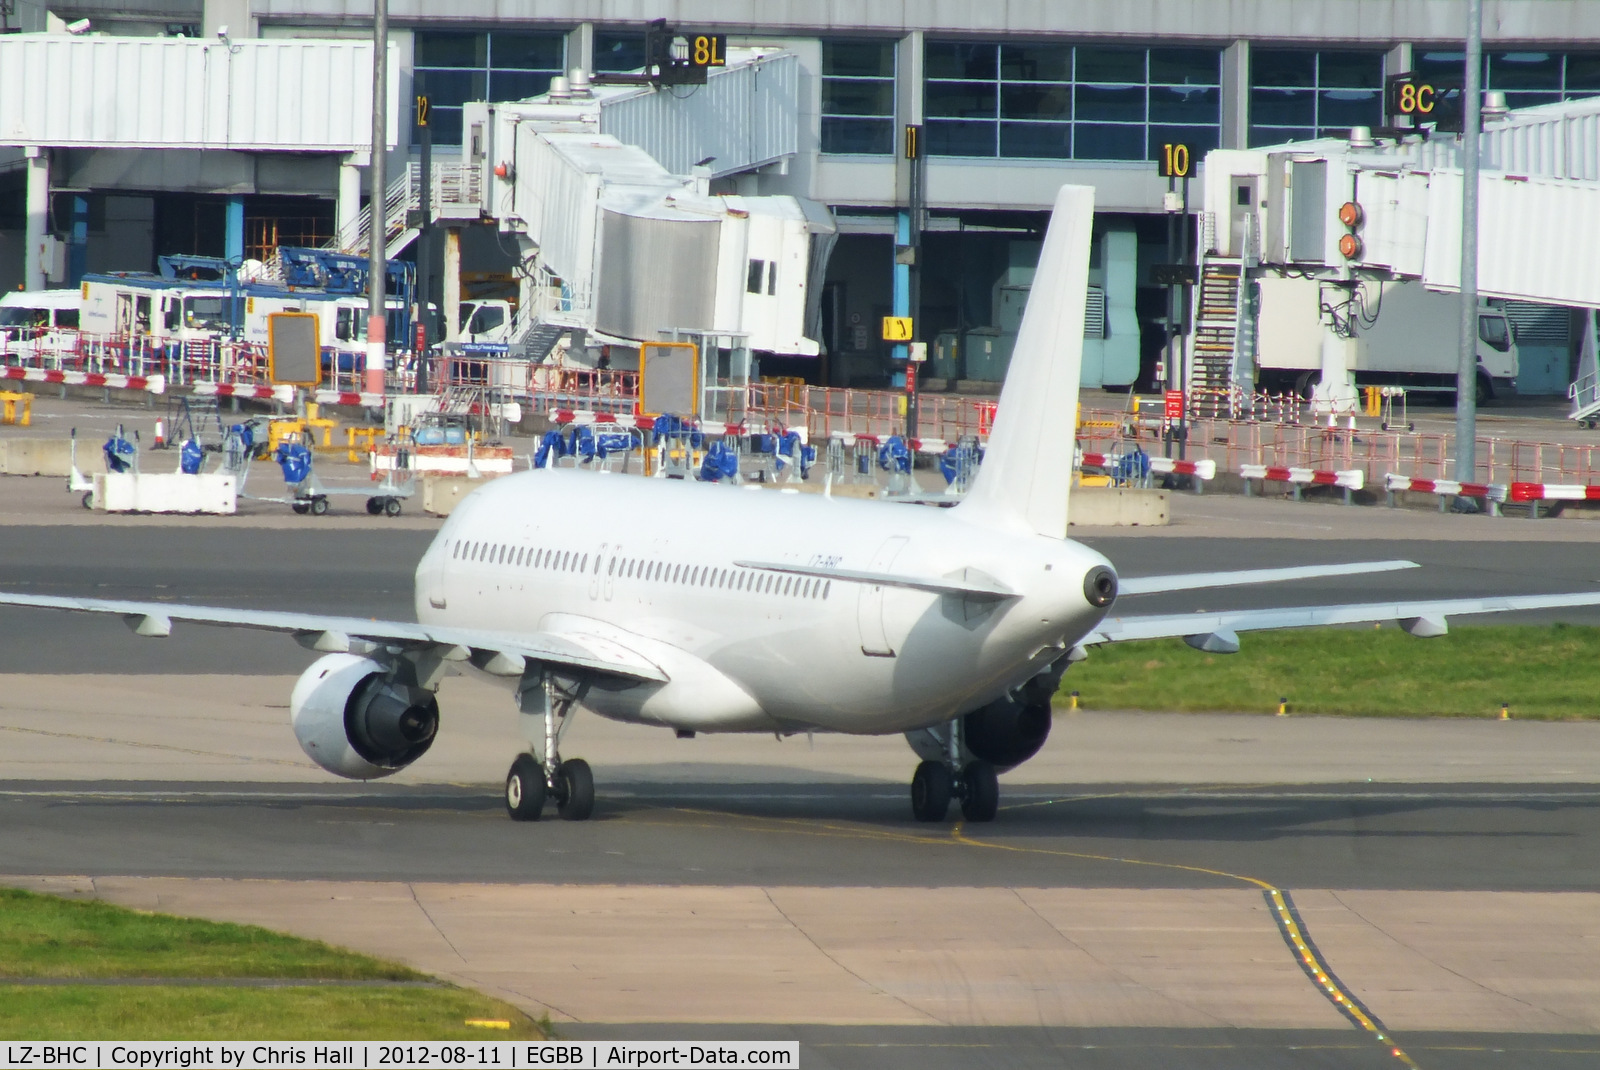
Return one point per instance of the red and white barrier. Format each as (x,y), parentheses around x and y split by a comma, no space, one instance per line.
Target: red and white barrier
(1200,471)
(1534,493)
(586,418)
(1493,493)
(154,384)
(349,397)
(931,446)
(1351,480)
(284,394)
(1554,492)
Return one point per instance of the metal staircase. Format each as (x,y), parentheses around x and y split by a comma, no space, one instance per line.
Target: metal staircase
(1214,345)
(539,339)
(457,190)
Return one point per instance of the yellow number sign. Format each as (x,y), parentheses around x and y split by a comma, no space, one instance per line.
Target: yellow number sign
(897,328)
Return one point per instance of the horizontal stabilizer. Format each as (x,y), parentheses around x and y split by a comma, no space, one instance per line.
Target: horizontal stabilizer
(973,585)
(1194,581)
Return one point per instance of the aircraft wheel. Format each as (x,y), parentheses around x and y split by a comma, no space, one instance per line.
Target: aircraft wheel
(391,506)
(88,499)
(301,507)
(931,789)
(374,506)
(575,784)
(319,506)
(525,789)
(980,792)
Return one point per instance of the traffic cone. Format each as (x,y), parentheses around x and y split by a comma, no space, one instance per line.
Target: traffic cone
(161,435)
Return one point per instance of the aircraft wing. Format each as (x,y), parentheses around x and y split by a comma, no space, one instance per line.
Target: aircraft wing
(1217,632)
(1194,581)
(580,653)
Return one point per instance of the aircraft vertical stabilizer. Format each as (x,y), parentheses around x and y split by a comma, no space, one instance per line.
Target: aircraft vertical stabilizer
(1027,468)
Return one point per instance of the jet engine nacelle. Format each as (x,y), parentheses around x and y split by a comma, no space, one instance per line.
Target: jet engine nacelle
(1008,731)
(355,719)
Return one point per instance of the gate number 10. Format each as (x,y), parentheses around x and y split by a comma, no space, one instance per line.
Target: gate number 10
(1175,161)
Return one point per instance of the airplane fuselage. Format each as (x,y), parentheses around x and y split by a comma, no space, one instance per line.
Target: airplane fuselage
(652,566)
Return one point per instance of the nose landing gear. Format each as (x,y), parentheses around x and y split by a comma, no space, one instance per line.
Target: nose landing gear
(937,782)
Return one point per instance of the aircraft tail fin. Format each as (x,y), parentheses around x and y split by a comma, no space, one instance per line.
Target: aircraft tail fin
(1027,467)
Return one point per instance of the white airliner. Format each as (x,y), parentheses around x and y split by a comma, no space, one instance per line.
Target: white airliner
(706,608)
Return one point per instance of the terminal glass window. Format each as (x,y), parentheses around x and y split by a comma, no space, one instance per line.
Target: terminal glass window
(858,97)
(1085,102)
(453,68)
(1527,78)
(618,53)
(1297,94)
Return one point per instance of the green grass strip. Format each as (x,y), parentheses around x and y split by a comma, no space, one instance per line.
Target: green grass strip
(1545,672)
(44,936)
(188,1013)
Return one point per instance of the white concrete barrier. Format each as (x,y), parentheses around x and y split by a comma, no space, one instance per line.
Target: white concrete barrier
(163,492)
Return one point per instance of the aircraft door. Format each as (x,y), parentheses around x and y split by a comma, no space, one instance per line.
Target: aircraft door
(431,578)
(1241,215)
(869,608)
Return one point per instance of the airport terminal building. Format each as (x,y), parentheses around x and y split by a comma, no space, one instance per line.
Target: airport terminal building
(1012,100)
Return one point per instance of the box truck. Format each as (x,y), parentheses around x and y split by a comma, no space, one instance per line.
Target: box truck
(1405,336)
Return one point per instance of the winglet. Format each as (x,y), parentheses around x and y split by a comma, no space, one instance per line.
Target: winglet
(1027,467)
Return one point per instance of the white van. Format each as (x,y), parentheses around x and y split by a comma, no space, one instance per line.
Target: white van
(26,315)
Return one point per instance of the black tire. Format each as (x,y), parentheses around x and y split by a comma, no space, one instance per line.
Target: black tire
(1485,389)
(980,792)
(301,507)
(88,499)
(575,783)
(931,788)
(1307,384)
(391,506)
(374,506)
(525,789)
(319,506)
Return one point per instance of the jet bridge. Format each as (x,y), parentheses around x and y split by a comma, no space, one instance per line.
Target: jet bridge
(617,246)
(1366,211)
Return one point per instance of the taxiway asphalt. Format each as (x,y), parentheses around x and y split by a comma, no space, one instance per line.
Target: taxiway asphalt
(1118,915)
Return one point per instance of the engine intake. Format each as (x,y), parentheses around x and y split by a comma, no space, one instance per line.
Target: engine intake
(358,719)
(1100,587)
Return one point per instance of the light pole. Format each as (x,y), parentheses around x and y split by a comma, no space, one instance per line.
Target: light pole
(1467,368)
(377,308)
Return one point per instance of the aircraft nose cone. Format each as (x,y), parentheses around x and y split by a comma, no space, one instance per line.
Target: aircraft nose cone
(1100,586)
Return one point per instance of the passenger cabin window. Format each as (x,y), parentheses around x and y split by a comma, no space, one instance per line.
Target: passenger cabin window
(753,278)
(772,277)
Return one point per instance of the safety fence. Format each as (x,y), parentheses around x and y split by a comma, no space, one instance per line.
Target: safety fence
(1282,431)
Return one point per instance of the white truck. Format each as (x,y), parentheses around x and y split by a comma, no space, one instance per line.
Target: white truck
(1404,335)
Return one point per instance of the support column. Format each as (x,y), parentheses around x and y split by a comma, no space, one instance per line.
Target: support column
(37,212)
(452,284)
(908,101)
(1236,96)
(580,47)
(233,230)
(348,211)
(78,247)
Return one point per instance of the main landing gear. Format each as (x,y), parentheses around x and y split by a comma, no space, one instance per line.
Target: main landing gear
(936,783)
(531,781)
